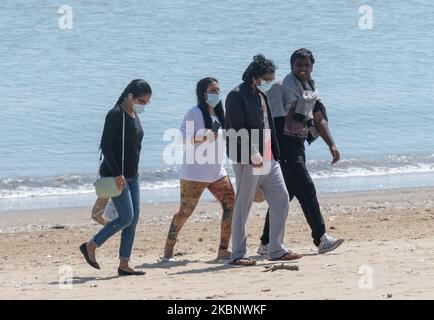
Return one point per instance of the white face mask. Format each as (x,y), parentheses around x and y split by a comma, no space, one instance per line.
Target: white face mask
(139,108)
(213,99)
(264,86)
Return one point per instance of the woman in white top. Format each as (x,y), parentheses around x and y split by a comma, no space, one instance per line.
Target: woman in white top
(202,167)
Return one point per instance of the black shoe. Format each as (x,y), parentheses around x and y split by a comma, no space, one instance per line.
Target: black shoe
(83,250)
(128,273)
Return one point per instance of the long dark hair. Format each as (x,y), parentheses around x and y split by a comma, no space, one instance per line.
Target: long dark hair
(138,88)
(201,89)
(260,66)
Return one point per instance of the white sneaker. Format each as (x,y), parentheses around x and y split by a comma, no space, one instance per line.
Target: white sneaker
(328,243)
(263,249)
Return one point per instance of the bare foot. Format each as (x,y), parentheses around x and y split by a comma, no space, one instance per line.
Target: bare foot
(223,254)
(126,268)
(168,252)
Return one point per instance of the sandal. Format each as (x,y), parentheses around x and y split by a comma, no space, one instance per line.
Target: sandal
(243,262)
(287,257)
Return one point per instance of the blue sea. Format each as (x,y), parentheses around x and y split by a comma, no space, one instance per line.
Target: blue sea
(57,84)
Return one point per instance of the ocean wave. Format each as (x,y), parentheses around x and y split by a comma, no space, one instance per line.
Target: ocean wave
(167,178)
(25,191)
(374,171)
(388,165)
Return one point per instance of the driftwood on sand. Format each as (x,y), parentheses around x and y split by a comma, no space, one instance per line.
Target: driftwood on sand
(281,267)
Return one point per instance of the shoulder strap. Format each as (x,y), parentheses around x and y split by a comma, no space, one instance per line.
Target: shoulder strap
(123,146)
(99,163)
(123,141)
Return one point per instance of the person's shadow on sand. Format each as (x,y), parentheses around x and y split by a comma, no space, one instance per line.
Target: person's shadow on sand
(165,265)
(202,270)
(221,264)
(224,265)
(82,280)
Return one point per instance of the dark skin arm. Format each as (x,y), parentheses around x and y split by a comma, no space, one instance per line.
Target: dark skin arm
(323,129)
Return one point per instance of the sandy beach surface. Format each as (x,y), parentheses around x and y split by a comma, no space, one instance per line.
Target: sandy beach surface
(388,254)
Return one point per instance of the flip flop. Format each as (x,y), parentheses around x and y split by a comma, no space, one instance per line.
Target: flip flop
(83,250)
(248,262)
(288,257)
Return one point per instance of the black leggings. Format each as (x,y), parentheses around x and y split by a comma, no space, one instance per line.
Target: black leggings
(298,183)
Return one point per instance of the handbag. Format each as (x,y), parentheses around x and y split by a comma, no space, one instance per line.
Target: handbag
(259,196)
(110,213)
(106,187)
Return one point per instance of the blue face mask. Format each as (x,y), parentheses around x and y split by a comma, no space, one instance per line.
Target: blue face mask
(213,99)
(139,108)
(264,86)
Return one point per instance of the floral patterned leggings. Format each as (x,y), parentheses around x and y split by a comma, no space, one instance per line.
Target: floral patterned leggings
(191,192)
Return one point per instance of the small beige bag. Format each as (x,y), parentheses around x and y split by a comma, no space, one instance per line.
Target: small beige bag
(259,196)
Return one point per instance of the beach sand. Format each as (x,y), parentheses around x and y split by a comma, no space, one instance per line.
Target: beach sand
(389,239)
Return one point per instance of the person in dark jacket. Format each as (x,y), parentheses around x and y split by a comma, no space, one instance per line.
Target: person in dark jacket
(252,146)
(129,105)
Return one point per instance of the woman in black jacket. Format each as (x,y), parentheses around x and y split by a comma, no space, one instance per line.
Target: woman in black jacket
(131,103)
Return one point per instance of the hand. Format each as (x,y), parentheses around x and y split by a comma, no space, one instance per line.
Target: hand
(259,165)
(199,139)
(257,161)
(208,135)
(205,137)
(335,154)
(120,182)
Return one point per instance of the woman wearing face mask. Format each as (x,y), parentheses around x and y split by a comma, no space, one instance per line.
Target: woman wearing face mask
(131,103)
(254,160)
(197,174)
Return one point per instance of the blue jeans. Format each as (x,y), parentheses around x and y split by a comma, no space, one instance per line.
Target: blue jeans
(128,207)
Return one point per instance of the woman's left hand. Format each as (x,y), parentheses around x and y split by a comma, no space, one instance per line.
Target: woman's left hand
(120,182)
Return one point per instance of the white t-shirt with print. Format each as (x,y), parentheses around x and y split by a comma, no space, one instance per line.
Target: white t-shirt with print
(202,161)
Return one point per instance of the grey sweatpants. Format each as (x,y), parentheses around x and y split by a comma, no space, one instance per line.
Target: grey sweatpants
(276,195)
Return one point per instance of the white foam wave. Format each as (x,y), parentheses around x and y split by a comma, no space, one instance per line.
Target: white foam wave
(374,171)
(25,191)
(11,188)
